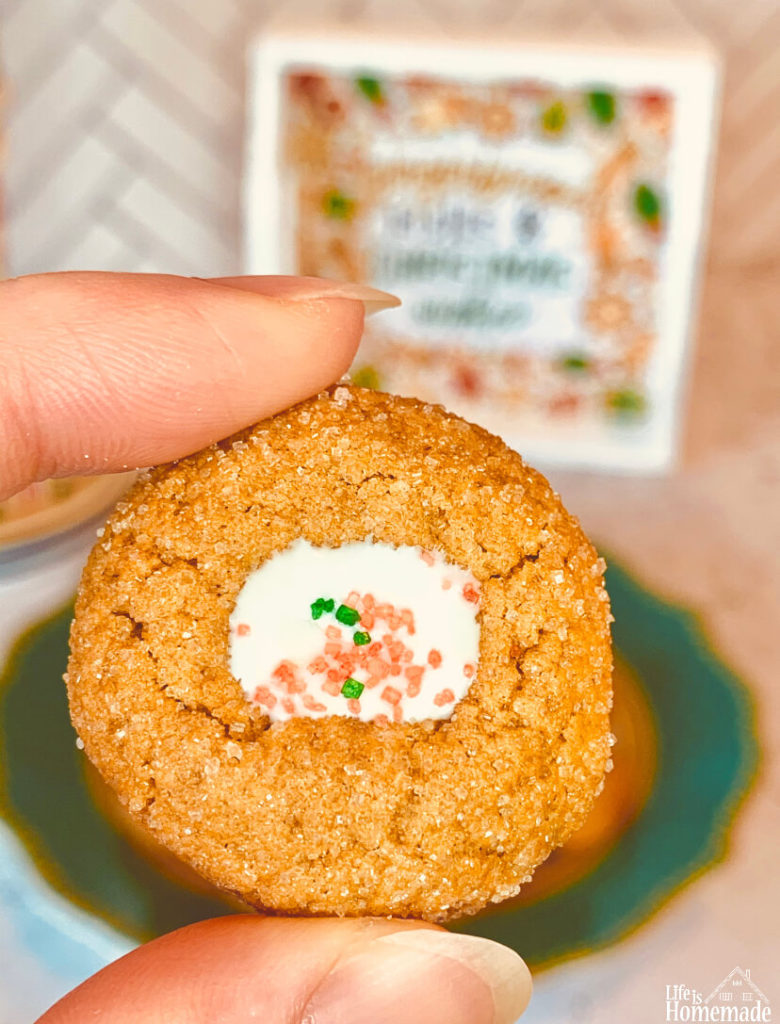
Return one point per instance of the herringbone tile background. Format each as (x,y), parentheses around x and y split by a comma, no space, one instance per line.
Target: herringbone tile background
(125,117)
(125,126)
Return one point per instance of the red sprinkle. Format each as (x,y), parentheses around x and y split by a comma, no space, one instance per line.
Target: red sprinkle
(398,713)
(347,661)
(414,673)
(378,667)
(470,593)
(264,696)
(396,649)
(468,671)
(311,704)
(353,705)
(381,720)
(391,695)
(333,633)
(395,670)
(413,689)
(284,671)
(446,584)
(427,557)
(332,686)
(434,658)
(443,697)
(288,705)
(243,629)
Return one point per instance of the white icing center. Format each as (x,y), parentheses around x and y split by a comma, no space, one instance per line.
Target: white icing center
(410,654)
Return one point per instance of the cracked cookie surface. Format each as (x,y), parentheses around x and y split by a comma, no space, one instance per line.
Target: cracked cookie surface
(428,819)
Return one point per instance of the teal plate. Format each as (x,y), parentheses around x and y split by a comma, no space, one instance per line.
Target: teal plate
(703,761)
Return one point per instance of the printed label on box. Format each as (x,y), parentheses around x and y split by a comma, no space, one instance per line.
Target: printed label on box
(525,226)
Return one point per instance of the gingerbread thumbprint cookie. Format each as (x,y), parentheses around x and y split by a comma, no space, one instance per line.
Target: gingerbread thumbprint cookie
(353,660)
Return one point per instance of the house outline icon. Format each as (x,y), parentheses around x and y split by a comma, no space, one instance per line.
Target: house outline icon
(738,979)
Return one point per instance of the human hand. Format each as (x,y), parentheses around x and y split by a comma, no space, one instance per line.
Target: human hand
(105,372)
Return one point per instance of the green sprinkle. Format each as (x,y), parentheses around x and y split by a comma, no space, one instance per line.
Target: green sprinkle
(349,616)
(321,605)
(337,206)
(554,117)
(602,106)
(371,88)
(352,688)
(647,204)
(361,638)
(576,362)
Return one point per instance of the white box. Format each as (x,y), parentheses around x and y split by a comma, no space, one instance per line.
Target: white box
(538,208)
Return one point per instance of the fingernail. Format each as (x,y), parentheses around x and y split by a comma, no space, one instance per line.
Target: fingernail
(301,289)
(502,970)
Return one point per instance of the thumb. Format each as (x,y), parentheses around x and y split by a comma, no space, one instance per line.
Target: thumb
(299,971)
(102,372)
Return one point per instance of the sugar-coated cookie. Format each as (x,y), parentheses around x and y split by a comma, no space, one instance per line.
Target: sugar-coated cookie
(353,660)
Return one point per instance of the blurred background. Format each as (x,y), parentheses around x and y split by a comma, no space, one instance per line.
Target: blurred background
(124,146)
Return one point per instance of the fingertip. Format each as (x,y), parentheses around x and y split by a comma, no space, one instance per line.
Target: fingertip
(424,975)
(502,970)
(341,321)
